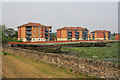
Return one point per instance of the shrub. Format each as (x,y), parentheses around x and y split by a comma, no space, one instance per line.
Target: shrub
(71,70)
(20,40)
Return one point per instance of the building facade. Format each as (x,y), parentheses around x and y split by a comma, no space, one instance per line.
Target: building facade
(117,37)
(100,35)
(72,33)
(32,32)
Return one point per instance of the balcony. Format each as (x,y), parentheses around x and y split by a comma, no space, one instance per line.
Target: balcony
(69,37)
(46,30)
(77,34)
(50,34)
(69,34)
(46,34)
(77,37)
(28,38)
(28,29)
(28,33)
(69,31)
(50,30)
(46,37)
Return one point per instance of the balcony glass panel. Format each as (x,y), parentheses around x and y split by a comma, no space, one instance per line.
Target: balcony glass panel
(69,31)
(69,34)
(28,29)
(46,37)
(46,30)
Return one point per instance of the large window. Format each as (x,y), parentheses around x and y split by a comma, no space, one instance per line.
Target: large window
(33,31)
(38,35)
(33,35)
(38,31)
(33,27)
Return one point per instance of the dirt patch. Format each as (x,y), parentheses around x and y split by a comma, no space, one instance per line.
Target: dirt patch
(21,67)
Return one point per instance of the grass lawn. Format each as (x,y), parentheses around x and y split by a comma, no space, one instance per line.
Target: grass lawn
(94,53)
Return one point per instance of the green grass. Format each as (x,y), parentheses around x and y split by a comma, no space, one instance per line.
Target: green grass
(96,52)
(5,53)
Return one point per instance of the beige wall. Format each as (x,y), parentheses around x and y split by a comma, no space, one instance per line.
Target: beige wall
(24,39)
(61,39)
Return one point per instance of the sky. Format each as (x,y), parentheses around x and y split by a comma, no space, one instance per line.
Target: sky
(91,15)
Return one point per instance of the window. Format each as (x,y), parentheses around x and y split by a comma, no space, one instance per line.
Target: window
(39,27)
(44,32)
(38,35)
(41,31)
(34,39)
(41,35)
(33,35)
(38,31)
(39,39)
(33,27)
(33,31)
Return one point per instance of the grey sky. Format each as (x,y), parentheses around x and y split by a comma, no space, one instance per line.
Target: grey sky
(92,15)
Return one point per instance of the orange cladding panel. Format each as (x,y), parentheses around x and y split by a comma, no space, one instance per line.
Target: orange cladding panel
(23,32)
(63,33)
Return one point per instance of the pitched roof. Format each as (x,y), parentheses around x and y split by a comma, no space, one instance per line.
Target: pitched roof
(33,24)
(101,31)
(72,28)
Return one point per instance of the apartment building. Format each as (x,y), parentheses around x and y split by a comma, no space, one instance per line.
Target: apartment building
(32,32)
(100,35)
(72,33)
(117,37)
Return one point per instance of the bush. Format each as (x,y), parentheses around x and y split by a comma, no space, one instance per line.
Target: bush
(14,39)
(71,70)
(20,40)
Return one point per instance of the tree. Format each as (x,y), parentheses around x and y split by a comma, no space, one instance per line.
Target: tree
(10,32)
(114,34)
(7,34)
(53,35)
(14,39)
(15,34)
(3,34)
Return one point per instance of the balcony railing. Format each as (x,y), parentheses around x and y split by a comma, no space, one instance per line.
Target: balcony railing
(46,30)
(50,30)
(69,31)
(46,34)
(28,29)
(69,34)
(28,37)
(77,34)
(28,33)
(69,37)
(46,37)
(77,37)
